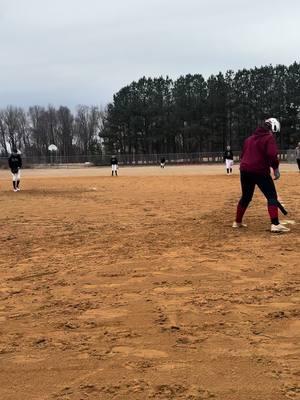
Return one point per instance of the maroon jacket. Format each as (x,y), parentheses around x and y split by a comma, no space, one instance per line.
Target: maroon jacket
(260,152)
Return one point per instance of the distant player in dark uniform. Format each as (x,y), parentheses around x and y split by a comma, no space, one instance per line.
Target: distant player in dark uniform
(15,164)
(297,153)
(114,166)
(259,155)
(162,162)
(228,159)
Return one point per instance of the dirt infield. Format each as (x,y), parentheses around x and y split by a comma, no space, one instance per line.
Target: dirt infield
(136,287)
(172,170)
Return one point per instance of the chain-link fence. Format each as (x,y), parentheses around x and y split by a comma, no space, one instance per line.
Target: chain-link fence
(78,161)
(291,156)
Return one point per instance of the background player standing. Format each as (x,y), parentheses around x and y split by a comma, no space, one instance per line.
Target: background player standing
(15,164)
(114,166)
(162,162)
(228,159)
(297,152)
(259,154)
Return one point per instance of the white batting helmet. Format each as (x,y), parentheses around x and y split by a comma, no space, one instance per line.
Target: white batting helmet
(274,124)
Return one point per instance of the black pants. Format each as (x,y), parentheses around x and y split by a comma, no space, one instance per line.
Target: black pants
(265,183)
(298,162)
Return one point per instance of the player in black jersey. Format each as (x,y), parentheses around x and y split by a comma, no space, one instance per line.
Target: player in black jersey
(15,164)
(228,159)
(114,166)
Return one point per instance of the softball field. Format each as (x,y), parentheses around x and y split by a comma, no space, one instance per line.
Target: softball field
(136,287)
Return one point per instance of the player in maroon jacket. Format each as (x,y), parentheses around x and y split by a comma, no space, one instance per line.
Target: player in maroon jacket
(259,154)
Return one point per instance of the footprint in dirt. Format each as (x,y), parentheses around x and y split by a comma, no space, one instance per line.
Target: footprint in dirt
(292,390)
(64,394)
(180,392)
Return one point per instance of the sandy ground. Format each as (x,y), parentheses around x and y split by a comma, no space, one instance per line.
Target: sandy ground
(136,287)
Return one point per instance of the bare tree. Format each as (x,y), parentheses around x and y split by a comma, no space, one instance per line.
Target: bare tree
(87,128)
(38,123)
(3,133)
(65,131)
(14,128)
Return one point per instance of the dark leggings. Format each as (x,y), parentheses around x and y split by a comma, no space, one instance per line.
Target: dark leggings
(298,162)
(265,184)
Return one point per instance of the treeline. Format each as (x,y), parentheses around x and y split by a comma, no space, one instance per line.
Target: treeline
(34,130)
(159,115)
(192,114)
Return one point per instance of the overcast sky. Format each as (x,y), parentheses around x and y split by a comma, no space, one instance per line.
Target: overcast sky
(69,52)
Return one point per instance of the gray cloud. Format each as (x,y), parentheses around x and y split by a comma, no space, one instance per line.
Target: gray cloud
(73,52)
